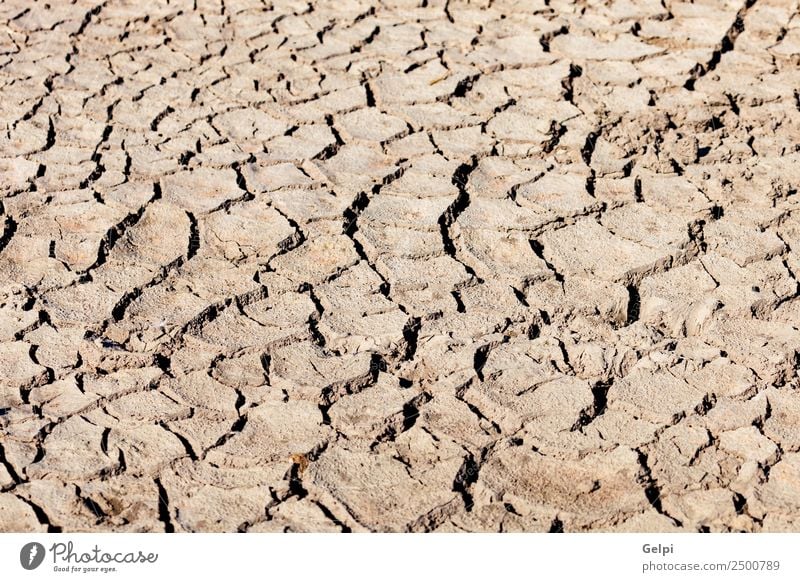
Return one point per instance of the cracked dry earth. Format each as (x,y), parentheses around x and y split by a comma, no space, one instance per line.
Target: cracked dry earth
(437,266)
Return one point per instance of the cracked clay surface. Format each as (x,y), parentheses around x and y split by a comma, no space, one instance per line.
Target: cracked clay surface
(399,266)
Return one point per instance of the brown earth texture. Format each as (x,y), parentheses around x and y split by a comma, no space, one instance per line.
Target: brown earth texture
(399,266)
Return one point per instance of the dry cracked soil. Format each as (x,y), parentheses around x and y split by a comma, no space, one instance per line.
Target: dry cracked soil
(399,266)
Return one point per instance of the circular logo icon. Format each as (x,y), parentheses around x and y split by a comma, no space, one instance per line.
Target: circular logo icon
(31,555)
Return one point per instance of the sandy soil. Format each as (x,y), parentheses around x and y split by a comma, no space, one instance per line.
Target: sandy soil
(416,266)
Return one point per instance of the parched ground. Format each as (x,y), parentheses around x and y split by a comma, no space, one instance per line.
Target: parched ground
(399,266)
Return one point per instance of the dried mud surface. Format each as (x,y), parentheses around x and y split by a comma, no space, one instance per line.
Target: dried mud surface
(408,266)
